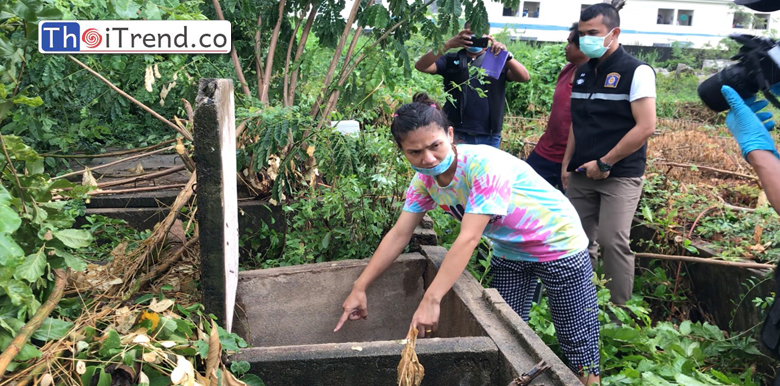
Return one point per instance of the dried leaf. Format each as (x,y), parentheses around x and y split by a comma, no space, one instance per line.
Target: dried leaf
(81,367)
(141,339)
(757,232)
(184,373)
(229,379)
(150,357)
(143,380)
(124,320)
(160,306)
(215,349)
(87,179)
(149,78)
(410,371)
(310,151)
(168,343)
(46,380)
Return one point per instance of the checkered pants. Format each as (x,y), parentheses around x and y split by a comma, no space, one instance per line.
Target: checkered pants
(572,300)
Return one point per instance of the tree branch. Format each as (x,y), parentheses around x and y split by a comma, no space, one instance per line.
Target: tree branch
(233,55)
(336,57)
(258,59)
(185,133)
(721,171)
(114,162)
(703,260)
(269,59)
(294,34)
(12,169)
(35,322)
(299,53)
(115,154)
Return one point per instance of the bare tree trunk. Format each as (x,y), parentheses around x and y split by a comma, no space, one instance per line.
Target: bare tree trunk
(299,52)
(269,59)
(336,57)
(258,58)
(349,67)
(286,82)
(343,76)
(233,54)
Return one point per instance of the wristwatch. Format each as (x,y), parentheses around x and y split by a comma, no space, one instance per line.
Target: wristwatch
(603,166)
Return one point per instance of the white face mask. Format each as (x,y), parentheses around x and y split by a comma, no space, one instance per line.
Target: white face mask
(593,46)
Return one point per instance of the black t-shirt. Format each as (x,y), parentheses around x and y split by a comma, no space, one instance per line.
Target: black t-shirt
(476,115)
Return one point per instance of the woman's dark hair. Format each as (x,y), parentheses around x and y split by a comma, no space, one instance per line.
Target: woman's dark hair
(420,113)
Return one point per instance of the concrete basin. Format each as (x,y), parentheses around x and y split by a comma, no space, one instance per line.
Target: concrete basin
(287,316)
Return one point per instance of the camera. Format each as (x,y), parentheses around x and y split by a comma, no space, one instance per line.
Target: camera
(479,42)
(757,69)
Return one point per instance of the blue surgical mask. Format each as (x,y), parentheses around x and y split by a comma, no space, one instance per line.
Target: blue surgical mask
(593,46)
(438,169)
(475,50)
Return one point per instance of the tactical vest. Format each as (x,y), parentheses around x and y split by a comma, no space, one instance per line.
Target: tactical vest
(601,112)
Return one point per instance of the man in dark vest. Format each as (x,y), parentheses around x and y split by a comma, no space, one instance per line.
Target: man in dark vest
(613,115)
(477,113)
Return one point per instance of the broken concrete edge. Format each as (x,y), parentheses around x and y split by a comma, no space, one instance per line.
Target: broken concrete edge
(423,347)
(319,267)
(512,332)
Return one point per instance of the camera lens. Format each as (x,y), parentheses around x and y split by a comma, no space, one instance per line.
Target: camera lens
(733,76)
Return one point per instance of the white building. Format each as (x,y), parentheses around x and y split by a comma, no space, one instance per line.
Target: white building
(643,22)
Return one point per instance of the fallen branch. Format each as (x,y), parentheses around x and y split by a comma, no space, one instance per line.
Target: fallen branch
(114,162)
(704,260)
(185,133)
(233,55)
(156,239)
(142,178)
(115,154)
(160,268)
(35,322)
(721,171)
(136,190)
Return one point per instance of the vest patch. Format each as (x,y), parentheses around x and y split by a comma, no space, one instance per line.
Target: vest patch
(613,78)
(580,81)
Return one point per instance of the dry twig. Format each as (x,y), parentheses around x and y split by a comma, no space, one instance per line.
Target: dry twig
(185,133)
(703,260)
(61,279)
(119,161)
(114,154)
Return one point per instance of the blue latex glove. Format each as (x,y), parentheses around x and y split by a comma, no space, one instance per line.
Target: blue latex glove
(748,125)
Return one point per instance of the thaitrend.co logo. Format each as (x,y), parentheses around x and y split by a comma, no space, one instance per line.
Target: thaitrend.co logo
(134,37)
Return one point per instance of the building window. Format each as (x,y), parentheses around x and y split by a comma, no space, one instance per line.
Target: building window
(741,20)
(685,17)
(665,16)
(760,21)
(510,11)
(531,9)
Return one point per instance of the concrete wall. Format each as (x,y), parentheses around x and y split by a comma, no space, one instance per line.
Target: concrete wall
(300,305)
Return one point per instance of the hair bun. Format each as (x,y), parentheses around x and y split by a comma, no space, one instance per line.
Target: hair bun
(423,98)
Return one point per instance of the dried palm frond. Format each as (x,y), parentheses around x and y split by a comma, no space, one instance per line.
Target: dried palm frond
(410,370)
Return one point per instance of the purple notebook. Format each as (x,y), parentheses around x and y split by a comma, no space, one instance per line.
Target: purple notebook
(494,64)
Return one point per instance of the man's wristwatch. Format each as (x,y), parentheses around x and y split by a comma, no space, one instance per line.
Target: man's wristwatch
(603,166)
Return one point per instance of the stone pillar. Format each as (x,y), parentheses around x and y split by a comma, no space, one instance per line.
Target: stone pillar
(215,154)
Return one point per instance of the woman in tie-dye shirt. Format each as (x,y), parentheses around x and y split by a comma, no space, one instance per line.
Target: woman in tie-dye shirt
(536,233)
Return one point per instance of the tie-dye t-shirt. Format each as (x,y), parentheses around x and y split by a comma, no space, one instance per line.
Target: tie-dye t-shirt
(531,220)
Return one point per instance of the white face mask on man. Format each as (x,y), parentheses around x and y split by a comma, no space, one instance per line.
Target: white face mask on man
(593,46)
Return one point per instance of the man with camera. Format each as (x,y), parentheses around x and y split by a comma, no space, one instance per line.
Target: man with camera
(477,114)
(613,115)
(751,131)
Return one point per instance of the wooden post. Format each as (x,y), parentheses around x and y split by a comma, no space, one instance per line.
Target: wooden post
(215,153)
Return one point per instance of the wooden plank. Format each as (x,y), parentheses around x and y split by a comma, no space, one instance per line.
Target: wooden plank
(215,154)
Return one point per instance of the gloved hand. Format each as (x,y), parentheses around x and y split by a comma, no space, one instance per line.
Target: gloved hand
(748,125)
